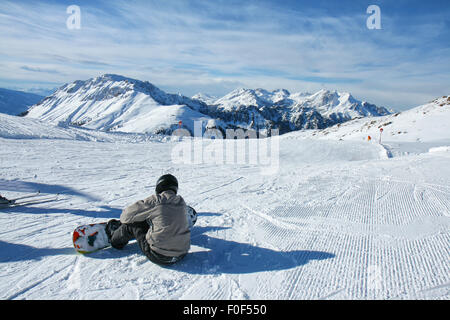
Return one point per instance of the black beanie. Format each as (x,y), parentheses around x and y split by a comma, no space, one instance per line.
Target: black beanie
(167,182)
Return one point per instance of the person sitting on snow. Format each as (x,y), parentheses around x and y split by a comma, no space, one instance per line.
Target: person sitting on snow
(159,224)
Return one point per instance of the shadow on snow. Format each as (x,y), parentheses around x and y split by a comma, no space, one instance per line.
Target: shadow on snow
(105,212)
(220,256)
(29,187)
(225,256)
(10,252)
(232,257)
(45,189)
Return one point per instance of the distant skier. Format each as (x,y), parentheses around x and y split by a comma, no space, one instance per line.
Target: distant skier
(158,223)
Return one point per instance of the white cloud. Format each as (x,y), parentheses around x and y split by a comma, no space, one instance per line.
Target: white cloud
(213,48)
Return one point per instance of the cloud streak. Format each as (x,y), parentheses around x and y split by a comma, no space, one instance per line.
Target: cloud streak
(215,46)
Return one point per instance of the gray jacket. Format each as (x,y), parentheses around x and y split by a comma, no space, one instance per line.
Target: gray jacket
(169,233)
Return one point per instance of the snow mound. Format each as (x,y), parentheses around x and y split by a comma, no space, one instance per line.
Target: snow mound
(296,151)
(13,127)
(439,149)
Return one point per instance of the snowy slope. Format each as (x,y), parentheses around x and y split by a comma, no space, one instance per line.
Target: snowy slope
(337,221)
(424,123)
(342,229)
(16,102)
(428,124)
(12,127)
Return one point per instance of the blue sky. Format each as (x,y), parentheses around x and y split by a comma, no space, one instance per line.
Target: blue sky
(217,46)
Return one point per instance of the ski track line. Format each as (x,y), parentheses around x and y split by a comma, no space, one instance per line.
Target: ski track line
(331,295)
(371,209)
(223,185)
(73,277)
(215,288)
(277,231)
(339,196)
(237,293)
(435,189)
(293,280)
(423,259)
(310,278)
(418,194)
(442,205)
(273,221)
(22,231)
(422,184)
(209,198)
(282,233)
(37,283)
(439,287)
(354,207)
(413,273)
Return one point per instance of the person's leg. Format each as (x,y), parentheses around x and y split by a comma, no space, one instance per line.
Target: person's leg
(164,260)
(139,231)
(121,236)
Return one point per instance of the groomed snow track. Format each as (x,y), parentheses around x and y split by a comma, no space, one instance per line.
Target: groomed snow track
(342,224)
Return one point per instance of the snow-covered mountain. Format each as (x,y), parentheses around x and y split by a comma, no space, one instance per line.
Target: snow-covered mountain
(14,102)
(428,122)
(206,98)
(261,109)
(116,103)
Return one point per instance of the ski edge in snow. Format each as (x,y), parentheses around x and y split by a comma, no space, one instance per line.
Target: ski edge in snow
(35,200)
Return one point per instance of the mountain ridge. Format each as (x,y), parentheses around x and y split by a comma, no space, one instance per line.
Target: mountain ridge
(13,102)
(113,102)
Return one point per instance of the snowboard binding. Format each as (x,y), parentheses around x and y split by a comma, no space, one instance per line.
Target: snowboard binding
(112,226)
(192,216)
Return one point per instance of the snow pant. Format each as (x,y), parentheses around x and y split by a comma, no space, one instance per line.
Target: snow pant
(126,232)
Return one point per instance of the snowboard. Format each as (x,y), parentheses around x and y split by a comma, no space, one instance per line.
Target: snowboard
(92,237)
